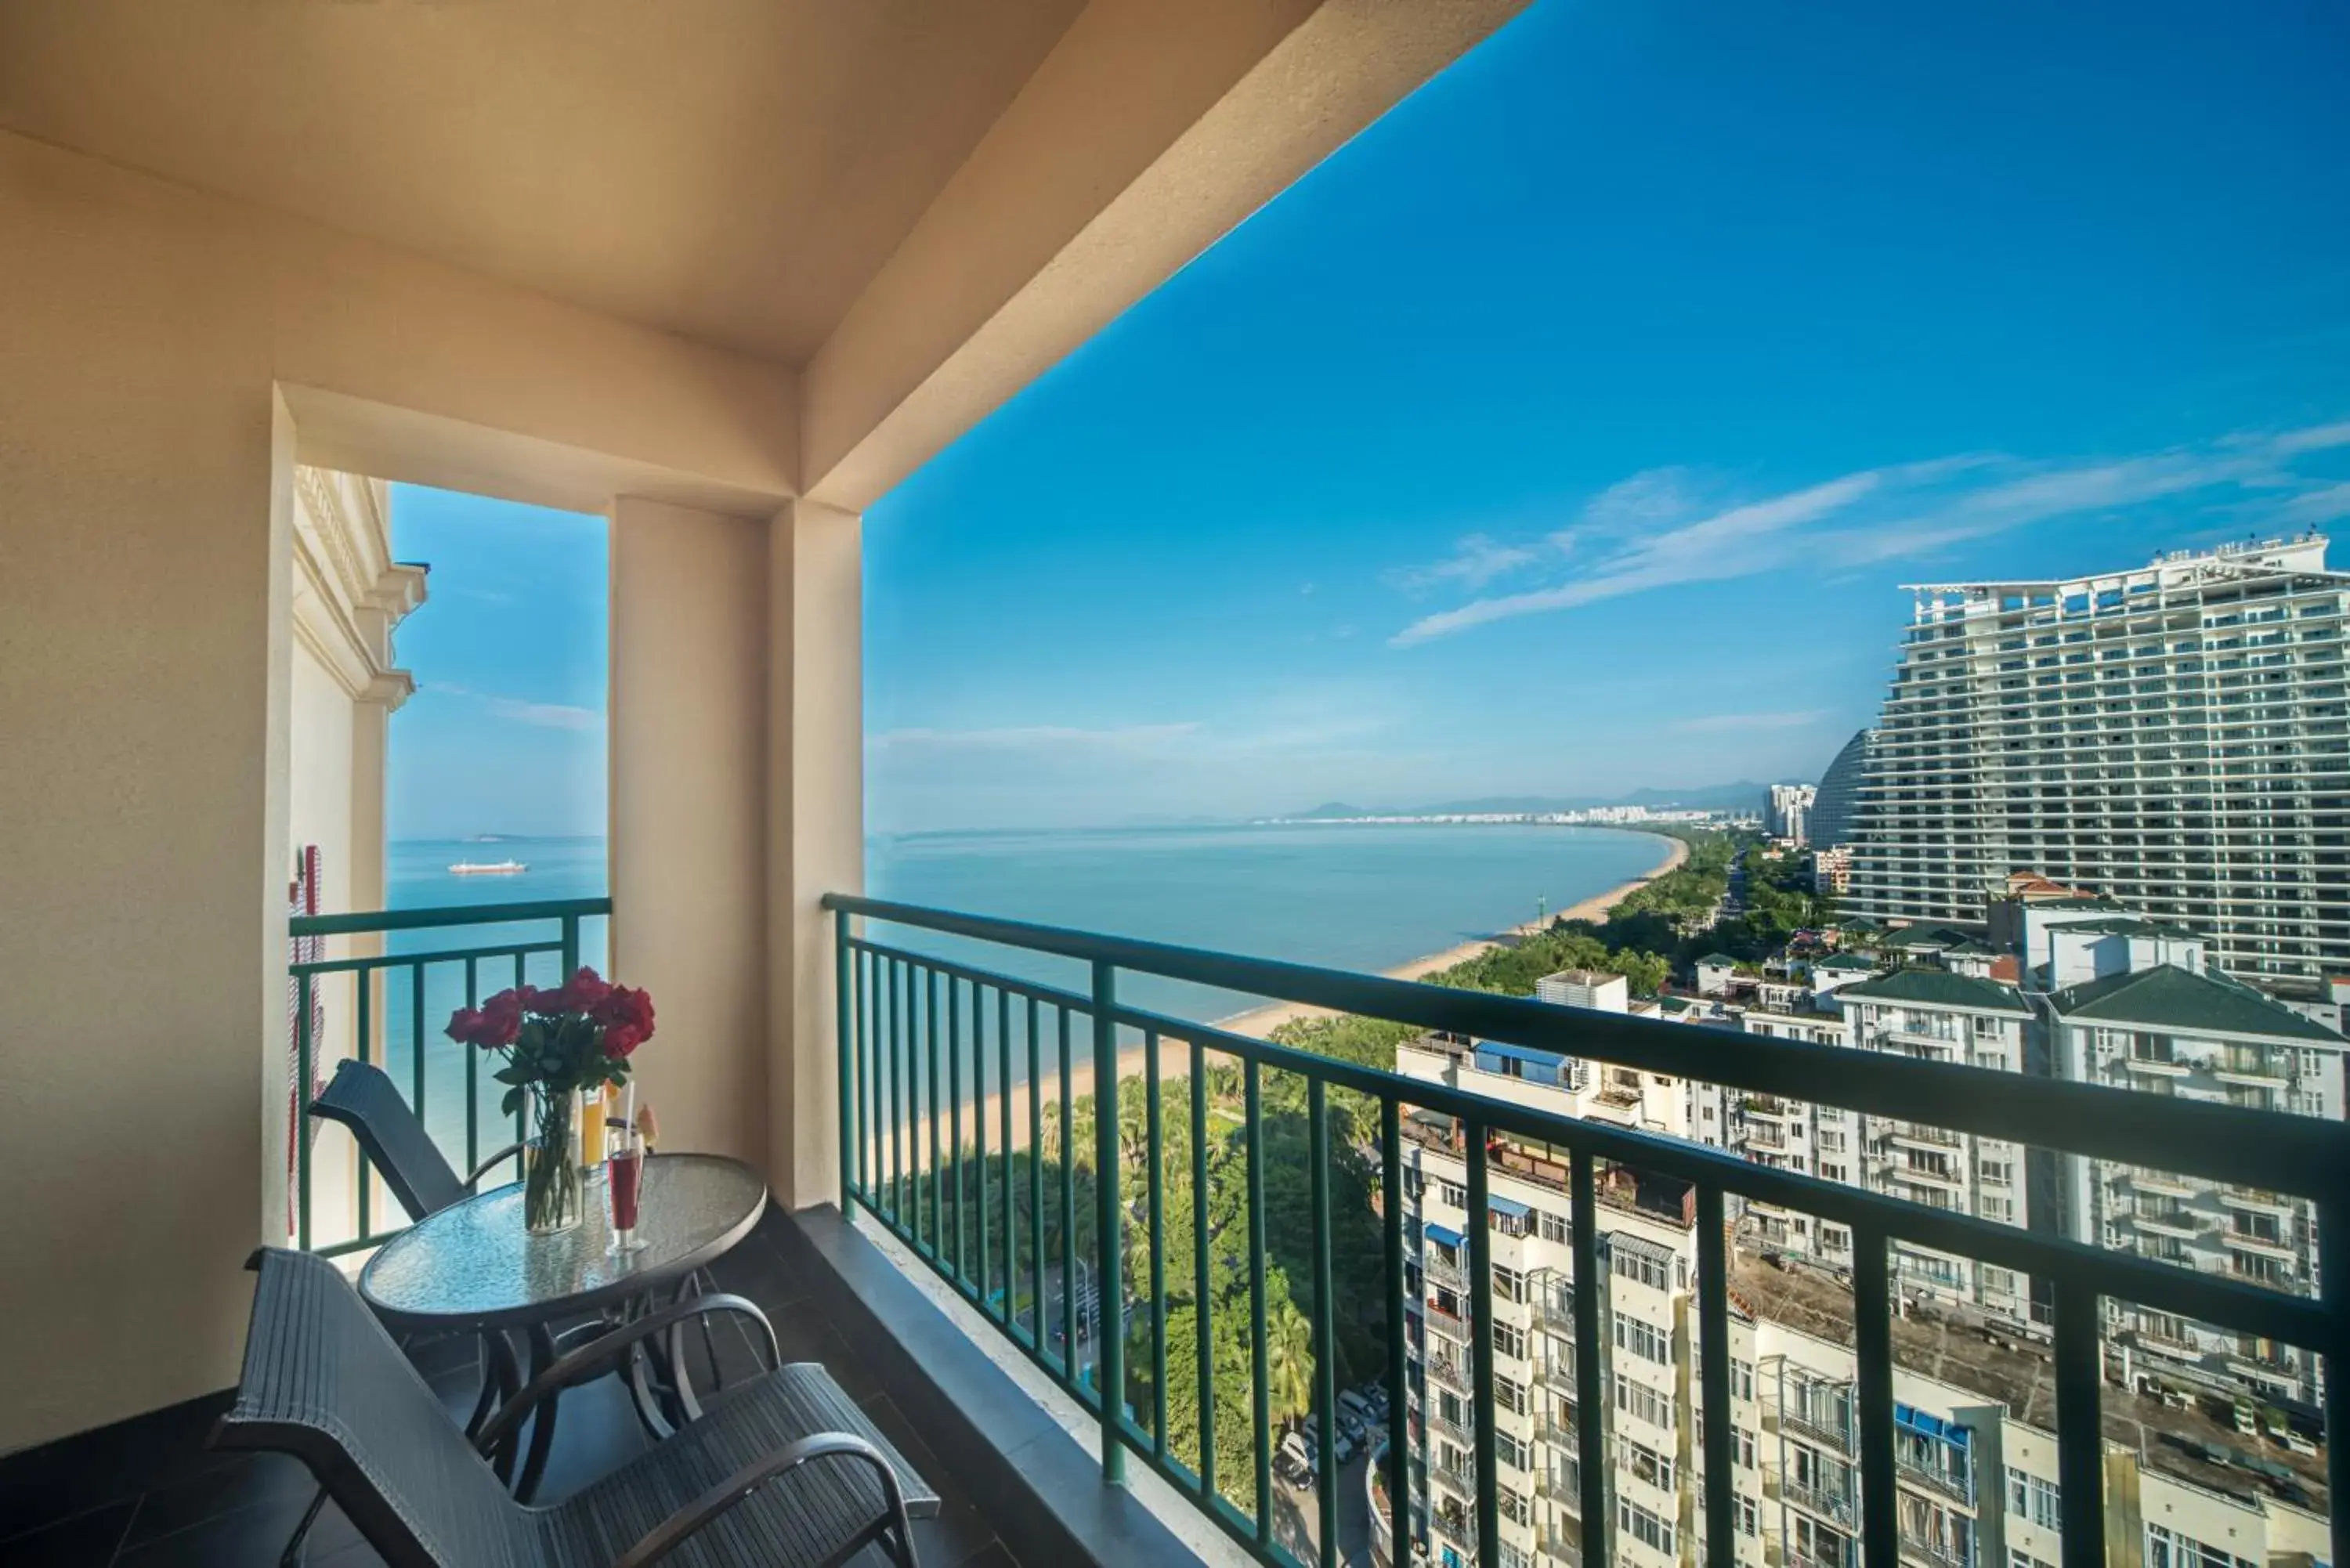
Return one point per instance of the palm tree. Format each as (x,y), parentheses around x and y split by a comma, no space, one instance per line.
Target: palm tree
(1289,1360)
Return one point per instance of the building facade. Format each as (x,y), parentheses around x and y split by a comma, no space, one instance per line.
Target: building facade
(2175,736)
(1835,809)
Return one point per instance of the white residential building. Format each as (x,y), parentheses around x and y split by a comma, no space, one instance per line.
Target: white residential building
(1977,1486)
(2177,736)
(2170,1031)
(1937,1015)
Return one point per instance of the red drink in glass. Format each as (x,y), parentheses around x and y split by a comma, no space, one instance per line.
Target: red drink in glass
(625,1174)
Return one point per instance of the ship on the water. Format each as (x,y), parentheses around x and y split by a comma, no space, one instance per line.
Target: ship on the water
(488,869)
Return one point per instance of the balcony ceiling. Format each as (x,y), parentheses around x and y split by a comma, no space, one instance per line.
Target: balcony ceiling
(732,170)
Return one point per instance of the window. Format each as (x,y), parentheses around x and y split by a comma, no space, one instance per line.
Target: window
(1641,1267)
(1637,1336)
(1743,1447)
(1645,1464)
(1508,1340)
(1649,1530)
(1510,1395)
(2029,1497)
(2017,1557)
(1742,1380)
(1513,1505)
(1512,1451)
(1750,1517)
(2166,1549)
(1508,1285)
(1643,1402)
(1452,1194)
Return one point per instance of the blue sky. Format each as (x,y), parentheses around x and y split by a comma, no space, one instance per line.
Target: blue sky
(1572,430)
(505,732)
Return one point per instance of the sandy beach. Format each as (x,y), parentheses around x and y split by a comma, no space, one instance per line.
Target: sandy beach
(1258,1023)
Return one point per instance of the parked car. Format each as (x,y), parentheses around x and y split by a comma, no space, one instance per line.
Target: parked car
(1353,1404)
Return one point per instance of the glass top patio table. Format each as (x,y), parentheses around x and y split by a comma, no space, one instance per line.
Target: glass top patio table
(472,1265)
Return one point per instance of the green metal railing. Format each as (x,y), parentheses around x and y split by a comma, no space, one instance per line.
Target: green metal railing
(891,1107)
(487,966)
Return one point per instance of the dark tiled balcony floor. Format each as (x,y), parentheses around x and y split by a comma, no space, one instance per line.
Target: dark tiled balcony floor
(150,1495)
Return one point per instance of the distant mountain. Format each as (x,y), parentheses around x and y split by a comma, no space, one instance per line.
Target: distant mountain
(1338,810)
(1743,795)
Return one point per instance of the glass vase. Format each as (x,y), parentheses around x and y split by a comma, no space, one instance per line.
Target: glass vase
(552,1198)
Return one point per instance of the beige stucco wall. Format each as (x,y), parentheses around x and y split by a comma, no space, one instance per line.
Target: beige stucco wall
(146,466)
(816,827)
(687,814)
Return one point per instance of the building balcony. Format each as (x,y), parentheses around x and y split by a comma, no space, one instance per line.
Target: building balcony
(1838,1507)
(1915,1134)
(2184,1224)
(2282,1248)
(1929,1554)
(2255,1200)
(2161,1183)
(885,1166)
(1922,1175)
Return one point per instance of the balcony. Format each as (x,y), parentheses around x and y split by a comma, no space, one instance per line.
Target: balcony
(1833,1429)
(1837,1507)
(1931,1553)
(2182,1223)
(1440,1269)
(2255,1199)
(1915,1134)
(886,1067)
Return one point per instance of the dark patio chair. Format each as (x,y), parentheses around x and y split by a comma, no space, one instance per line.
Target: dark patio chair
(364,1099)
(783,1472)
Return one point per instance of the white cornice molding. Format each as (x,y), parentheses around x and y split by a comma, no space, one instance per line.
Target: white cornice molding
(347,592)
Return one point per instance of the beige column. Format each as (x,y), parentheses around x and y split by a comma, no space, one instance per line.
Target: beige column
(689,824)
(816,827)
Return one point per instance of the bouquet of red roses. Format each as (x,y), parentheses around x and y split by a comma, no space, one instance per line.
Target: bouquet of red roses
(578,1035)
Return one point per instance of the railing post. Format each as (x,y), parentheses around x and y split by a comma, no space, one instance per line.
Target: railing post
(1109,1250)
(1399,1382)
(846,1072)
(305,1075)
(1481,1346)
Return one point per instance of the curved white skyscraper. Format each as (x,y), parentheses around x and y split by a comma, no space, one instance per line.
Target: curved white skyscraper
(2175,736)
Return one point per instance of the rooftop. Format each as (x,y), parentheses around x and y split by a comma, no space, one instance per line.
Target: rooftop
(1939,988)
(2129,926)
(2170,997)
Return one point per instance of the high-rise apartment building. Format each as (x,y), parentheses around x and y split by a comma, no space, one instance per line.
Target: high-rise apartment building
(1835,808)
(1791,810)
(2177,737)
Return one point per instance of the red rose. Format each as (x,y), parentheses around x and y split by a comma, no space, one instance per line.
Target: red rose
(499,1021)
(628,1009)
(463,1025)
(620,1040)
(585,990)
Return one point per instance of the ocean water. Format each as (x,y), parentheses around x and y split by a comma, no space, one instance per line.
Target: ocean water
(1362,897)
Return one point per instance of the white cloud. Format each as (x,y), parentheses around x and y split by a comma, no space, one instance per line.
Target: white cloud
(1656,531)
(1475,561)
(519,711)
(544,715)
(1739,723)
(2322,506)
(1127,738)
(2312,438)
